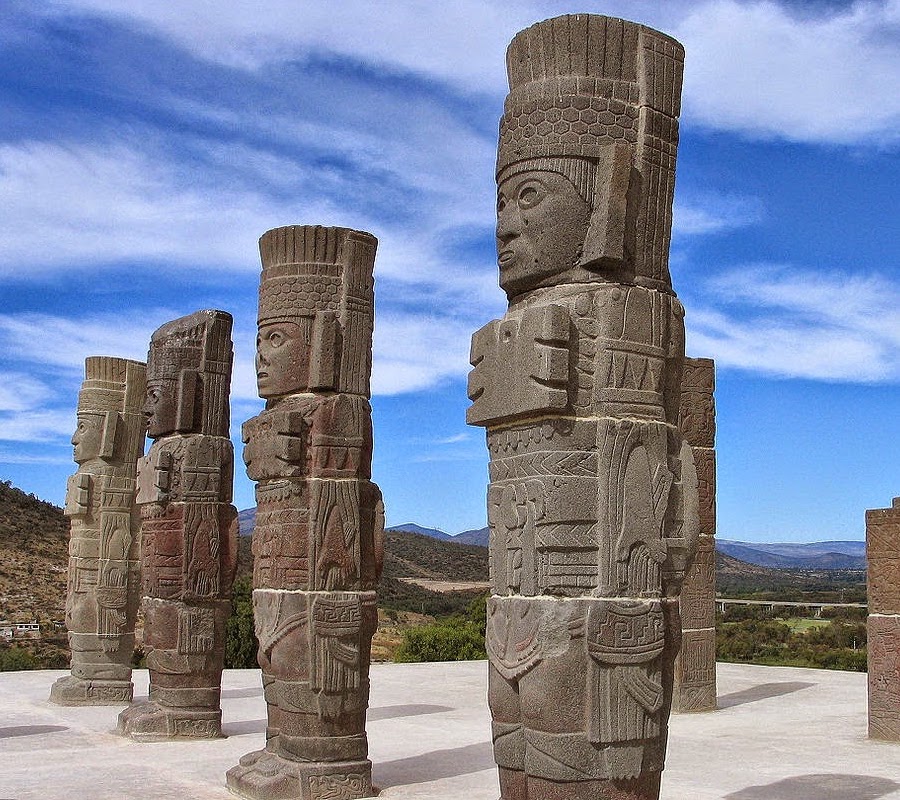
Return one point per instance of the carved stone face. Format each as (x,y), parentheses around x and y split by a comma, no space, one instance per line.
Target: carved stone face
(160,408)
(88,438)
(542,222)
(282,359)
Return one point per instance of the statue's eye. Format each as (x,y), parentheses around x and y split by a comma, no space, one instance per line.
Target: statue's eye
(530,195)
(501,204)
(276,338)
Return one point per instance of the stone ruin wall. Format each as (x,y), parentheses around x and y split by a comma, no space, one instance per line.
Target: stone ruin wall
(883,623)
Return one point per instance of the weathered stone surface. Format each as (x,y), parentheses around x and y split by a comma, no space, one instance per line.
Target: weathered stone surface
(695,667)
(188,528)
(883,625)
(317,543)
(884,676)
(104,548)
(593,504)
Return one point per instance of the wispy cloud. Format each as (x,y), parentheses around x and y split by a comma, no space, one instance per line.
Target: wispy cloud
(19,392)
(16,457)
(122,203)
(802,72)
(417,351)
(824,325)
(701,213)
(36,425)
(66,341)
(456,439)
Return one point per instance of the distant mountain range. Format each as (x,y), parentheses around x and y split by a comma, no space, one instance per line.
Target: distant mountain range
(777,555)
(477,536)
(792,555)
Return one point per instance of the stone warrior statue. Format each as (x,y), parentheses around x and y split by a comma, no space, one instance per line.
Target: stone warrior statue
(592,503)
(319,521)
(104,549)
(188,528)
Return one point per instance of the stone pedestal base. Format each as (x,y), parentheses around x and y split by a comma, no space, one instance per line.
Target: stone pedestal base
(263,775)
(72,691)
(150,722)
(515,786)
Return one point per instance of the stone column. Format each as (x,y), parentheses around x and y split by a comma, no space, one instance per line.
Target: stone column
(883,624)
(104,547)
(188,528)
(592,503)
(319,520)
(695,667)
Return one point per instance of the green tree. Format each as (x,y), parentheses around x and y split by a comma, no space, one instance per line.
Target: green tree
(16,658)
(454,640)
(240,636)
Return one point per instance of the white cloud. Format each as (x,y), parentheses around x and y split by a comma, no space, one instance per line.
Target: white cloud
(19,392)
(822,325)
(706,212)
(464,40)
(37,425)
(455,439)
(7,457)
(78,205)
(763,69)
(66,341)
(757,67)
(414,352)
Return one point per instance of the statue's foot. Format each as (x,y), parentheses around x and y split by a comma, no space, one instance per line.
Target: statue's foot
(72,691)
(149,722)
(645,787)
(263,775)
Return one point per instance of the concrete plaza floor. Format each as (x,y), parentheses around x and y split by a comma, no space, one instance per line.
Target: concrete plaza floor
(780,734)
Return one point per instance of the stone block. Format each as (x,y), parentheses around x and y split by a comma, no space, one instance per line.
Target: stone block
(884,677)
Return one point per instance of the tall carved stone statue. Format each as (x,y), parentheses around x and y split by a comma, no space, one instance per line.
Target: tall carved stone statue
(695,667)
(592,502)
(104,548)
(319,520)
(188,528)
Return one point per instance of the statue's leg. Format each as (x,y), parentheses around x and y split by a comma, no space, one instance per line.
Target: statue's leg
(508,735)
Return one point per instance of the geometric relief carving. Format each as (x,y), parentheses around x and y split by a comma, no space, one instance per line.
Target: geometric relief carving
(695,672)
(593,503)
(883,559)
(102,595)
(698,593)
(319,522)
(697,417)
(520,366)
(695,679)
(705,461)
(188,528)
(884,677)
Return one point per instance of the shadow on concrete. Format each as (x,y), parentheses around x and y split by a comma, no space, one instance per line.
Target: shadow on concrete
(438,764)
(249,726)
(761,692)
(819,787)
(30,730)
(411,710)
(244,727)
(236,693)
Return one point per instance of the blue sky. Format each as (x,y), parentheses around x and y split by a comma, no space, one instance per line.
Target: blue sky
(145,147)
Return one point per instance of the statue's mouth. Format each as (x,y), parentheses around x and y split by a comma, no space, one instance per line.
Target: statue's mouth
(505,258)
